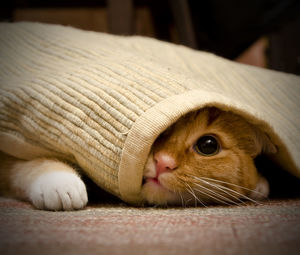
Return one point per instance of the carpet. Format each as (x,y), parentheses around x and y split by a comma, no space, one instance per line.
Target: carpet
(272,227)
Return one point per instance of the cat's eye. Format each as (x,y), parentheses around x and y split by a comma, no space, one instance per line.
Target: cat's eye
(207,145)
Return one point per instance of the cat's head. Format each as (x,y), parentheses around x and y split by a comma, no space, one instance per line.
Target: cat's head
(206,156)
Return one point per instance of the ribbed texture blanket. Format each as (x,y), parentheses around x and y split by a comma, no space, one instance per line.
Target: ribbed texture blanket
(100,101)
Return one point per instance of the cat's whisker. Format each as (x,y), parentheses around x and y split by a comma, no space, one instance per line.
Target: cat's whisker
(223,189)
(232,193)
(228,183)
(223,198)
(191,191)
(183,202)
(241,195)
(229,189)
(212,194)
(189,200)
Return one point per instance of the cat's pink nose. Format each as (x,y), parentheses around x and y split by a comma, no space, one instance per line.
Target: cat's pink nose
(164,163)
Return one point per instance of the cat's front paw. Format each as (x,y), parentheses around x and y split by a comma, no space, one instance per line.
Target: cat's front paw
(58,191)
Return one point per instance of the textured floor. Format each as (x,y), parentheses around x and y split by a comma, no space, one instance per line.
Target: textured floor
(270,228)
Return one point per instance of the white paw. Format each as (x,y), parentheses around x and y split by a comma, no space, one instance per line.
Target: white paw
(58,191)
(261,190)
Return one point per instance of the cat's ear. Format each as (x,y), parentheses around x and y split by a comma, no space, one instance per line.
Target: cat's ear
(263,143)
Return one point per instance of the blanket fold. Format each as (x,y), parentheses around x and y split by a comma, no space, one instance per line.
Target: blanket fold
(100,100)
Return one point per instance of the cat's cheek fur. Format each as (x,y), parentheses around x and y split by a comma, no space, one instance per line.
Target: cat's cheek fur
(261,190)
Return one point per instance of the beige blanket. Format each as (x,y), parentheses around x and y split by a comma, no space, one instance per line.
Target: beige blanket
(100,100)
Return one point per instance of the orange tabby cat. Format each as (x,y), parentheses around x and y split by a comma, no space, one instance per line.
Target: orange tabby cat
(207,156)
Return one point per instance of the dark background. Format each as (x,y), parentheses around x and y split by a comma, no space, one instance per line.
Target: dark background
(228,28)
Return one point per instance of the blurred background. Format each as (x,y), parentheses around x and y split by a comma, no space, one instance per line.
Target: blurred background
(264,33)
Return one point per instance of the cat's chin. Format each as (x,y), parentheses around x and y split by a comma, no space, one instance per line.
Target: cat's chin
(154,193)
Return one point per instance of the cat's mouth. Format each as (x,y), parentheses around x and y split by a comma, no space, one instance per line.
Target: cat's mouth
(155,183)
(151,180)
(155,192)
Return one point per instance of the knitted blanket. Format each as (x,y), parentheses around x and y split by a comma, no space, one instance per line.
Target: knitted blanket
(100,101)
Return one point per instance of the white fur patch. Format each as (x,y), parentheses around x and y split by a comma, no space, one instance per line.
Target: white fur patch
(58,190)
(261,190)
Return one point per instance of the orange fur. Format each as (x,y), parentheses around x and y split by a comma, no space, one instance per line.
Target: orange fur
(232,168)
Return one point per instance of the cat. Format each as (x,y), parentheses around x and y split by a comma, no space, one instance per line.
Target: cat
(205,157)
